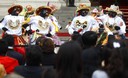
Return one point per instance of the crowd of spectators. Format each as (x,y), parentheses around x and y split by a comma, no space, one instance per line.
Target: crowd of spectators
(80,57)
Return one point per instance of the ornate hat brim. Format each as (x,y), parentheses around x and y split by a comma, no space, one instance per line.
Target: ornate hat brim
(82,9)
(109,9)
(43,7)
(12,8)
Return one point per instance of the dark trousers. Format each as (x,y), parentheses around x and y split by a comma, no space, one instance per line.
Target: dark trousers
(71,2)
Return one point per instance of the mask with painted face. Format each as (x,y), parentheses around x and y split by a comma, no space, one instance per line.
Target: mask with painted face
(44,13)
(83,12)
(15,11)
(112,14)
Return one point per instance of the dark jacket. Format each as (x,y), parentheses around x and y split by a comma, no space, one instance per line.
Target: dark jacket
(35,71)
(16,55)
(48,59)
(92,58)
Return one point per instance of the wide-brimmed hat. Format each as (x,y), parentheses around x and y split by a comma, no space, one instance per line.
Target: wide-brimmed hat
(82,7)
(112,8)
(13,7)
(43,7)
(119,12)
(106,8)
(53,7)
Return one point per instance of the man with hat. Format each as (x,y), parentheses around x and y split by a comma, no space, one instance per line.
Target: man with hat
(114,22)
(41,24)
(12,23)
(83,22)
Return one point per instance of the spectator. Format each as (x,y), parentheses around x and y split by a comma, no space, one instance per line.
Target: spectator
(11,52)
(117,60)
(115,64)
(8,62)
(69,62)
(33,68)
(89,39)
(48,55)
(91,55)
(75,35)
(33,59)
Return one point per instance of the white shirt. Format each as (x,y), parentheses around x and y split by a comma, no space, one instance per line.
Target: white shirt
(114,21)
(99,74)
(13,24)
(53,19)
(43,25)
(90,23)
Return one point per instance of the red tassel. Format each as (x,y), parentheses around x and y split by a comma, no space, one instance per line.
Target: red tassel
(80,30)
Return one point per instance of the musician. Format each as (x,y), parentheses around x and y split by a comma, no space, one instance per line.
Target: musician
(83,22)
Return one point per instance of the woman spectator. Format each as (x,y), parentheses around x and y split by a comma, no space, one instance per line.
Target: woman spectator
(8,62)
(11,52)
(92,55)
(48,55)
(117,62)
(69,61)
(33,59)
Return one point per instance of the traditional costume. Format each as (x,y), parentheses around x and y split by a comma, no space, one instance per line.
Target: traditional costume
(83,22)
(114,22)
(54,19)
(40,24)
(12,25)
